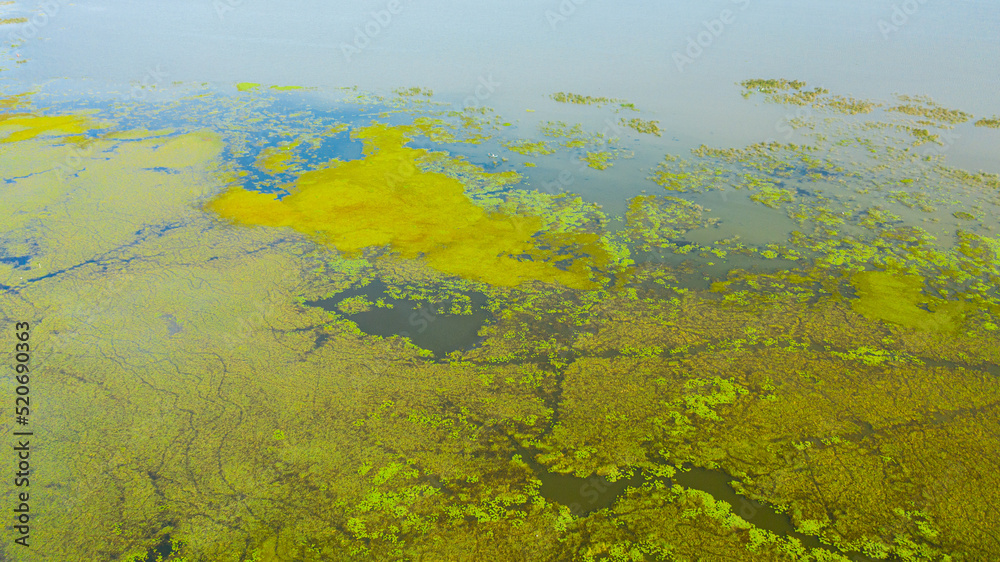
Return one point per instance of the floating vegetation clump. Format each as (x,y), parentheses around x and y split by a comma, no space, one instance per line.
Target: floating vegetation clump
(783,351)
(931,112)
(642,126)
(992,122)
(598,160)
(770,85)
(564,97)
(791,92)
(526,147)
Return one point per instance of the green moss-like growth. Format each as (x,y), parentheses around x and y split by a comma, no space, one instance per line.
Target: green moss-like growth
(791,92)
(675,174)
(529,148)
(926,108)
(897,298)
(642,126)
(771,85)
(991,122)
(414,91)
(846,424)
(565,97)
(598,160)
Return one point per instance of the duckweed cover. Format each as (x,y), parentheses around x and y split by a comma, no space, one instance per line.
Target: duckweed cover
(252,322)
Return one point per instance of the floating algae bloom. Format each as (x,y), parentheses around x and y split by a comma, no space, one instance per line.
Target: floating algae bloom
(30,126)
(851,385)
(897,298)
(386,200)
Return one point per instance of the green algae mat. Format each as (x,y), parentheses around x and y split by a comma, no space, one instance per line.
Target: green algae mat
(261,323)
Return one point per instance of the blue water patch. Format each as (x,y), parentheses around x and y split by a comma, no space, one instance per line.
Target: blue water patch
(19,262)
(282,119)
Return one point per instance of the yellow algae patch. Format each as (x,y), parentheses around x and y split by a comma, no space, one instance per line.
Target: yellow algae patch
(278,159)
(897,298)
(30,126)
(286,88)
(385,199)
(247,86)
(73,203)
(14,102)
(6,21)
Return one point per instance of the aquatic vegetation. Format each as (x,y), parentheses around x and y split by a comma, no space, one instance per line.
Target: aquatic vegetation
(791,92)
(414,91)
(386,200)
(770,85)
(675,174)
(932,113)
(924,136)
(897,298)
(991,122)
(655,222)
(529,148)
(278,159)
(772,197)
(564,97)
(30,126)
(840,372)
(642,126)
(247,86)
(598,160)
(571,137)
(7,21)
